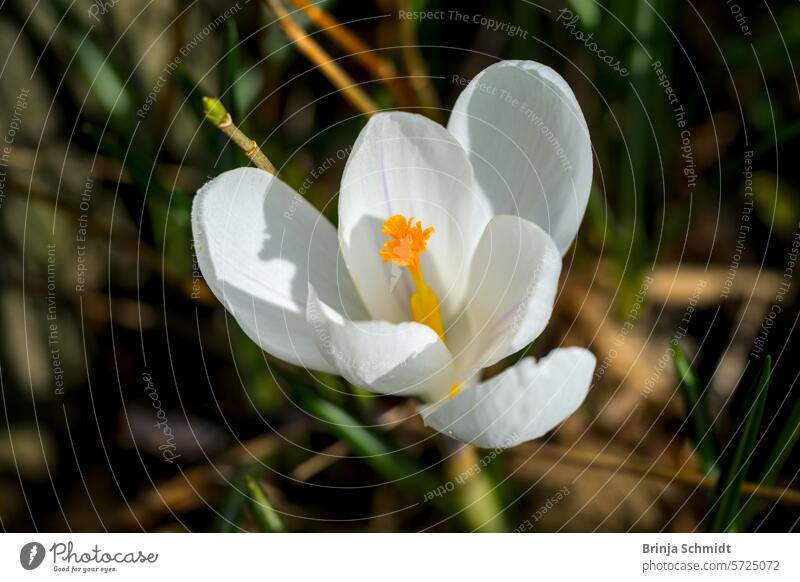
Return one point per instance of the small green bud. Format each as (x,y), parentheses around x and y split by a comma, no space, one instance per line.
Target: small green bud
(214,109)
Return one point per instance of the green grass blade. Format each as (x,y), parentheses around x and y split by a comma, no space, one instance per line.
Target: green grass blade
(784,445)
(376,452)
(105,79)
(392,464)
(734,470)
(261,508)
(231,509)
(702,432)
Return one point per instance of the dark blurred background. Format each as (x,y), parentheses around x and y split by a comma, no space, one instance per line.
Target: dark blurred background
(131,401)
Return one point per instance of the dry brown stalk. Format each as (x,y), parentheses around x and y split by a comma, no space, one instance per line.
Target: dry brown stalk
(316,54)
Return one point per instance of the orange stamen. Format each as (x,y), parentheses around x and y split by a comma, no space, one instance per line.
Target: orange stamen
(408,242)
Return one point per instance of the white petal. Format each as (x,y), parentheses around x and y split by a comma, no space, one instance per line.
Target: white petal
(403,163)
(520,404)
(529,145)
(258,245)
(387,358)
(512,286)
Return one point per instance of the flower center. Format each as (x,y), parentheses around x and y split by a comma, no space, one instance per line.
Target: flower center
(408,242)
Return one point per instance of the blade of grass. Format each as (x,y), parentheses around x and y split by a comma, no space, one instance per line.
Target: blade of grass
(734,470)
(106,79)
(261,509)
(392,464)
(702,432)
(784,445)
(231,509)
(376,452)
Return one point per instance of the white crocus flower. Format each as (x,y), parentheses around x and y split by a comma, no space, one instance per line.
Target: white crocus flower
(446,260)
